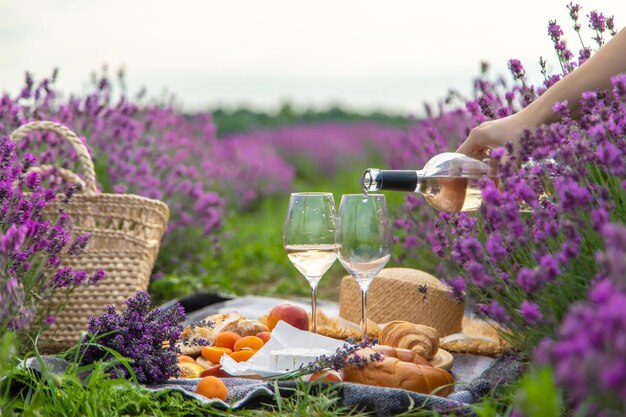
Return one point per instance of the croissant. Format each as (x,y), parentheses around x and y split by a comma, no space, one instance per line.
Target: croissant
(423,340)
(393,372)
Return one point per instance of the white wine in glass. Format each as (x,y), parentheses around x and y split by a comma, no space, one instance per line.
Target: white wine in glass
(365,242)
(309,239)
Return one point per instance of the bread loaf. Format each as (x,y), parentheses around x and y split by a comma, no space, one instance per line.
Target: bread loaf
(423,340)
(393,372)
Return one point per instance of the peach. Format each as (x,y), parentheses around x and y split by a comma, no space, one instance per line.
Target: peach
(264,336)
(289,313)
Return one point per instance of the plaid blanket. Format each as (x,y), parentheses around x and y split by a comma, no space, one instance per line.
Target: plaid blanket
(251,393)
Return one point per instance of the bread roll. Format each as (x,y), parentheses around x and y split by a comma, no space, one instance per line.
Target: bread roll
(392,372)
(189,342)
(235,322)
(423,340)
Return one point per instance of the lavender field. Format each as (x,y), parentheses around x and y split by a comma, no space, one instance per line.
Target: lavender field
(543,260)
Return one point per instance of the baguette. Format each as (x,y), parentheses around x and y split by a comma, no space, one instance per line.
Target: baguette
(393,372)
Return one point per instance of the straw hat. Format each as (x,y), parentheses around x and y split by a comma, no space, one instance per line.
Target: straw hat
(403,294)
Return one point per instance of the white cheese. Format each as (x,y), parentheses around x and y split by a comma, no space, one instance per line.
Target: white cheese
(292,359)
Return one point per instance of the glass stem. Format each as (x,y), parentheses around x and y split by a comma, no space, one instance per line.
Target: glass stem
(314,307)
(364,289)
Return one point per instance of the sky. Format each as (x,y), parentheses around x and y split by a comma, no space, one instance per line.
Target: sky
(366,55)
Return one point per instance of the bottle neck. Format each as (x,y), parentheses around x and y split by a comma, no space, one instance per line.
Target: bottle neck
(393,180)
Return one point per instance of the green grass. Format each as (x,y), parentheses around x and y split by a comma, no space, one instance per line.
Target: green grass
(25,392)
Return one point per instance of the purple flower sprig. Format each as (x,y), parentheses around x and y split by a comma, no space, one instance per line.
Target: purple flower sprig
(32,247)
(347,355)
(589,353)
(138,334)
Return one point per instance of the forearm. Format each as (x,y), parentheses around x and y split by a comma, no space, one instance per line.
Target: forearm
(594,74)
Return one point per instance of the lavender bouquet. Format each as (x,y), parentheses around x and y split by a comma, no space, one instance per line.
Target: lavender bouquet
(137,334)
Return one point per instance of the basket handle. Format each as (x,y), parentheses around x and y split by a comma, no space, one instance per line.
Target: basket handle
(84,159)
(65,174)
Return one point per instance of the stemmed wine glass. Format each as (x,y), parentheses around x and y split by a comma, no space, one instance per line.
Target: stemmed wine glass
(364,239)
(309,239)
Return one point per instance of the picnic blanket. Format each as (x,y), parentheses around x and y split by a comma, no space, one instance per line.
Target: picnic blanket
(251,393)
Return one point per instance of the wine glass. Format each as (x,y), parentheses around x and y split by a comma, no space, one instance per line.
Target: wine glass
(364,239)
(309,239)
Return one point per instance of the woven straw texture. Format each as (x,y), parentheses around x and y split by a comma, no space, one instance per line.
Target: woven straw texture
(125,229)
(395,295)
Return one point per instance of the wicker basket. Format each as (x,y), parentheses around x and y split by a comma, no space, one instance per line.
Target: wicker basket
(125,229)
(394,295)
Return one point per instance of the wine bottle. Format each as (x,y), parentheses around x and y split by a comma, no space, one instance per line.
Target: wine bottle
(448,182)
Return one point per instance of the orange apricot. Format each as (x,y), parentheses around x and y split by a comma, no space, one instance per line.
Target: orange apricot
(185,358)
(212,387)
(227,339)
(214,353)
(250,342)
(242,355)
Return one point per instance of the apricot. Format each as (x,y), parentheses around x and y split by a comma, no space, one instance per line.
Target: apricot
(289,313)
(185,358)
(325,376)
(250,342)
(189,370)
(227,339)
(214,353)
(212,387)
(242,355)
(264,336)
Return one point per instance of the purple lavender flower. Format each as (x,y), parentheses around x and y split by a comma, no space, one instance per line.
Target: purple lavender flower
(78,245)
(495,247)
(530,312)
(33,180)
(138,334)
(517,69)
(597,21)
(98,276)
(610,25)
(528,280)
(573,13)
(592,333)
(619,87)
(554,31)
(496,312)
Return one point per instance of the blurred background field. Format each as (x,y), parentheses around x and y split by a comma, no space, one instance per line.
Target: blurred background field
(250,258)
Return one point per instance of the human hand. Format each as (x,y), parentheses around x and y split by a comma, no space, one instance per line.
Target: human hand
(493,134)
